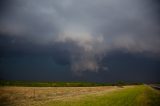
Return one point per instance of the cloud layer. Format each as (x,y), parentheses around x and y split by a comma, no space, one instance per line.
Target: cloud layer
(95,28)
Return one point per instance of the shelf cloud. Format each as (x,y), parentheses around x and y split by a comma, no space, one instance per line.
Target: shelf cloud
(90,29)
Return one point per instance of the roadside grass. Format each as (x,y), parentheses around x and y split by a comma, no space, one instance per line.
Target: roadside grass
(132,96)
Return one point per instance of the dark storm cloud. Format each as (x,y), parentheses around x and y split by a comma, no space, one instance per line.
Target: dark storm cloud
(95,28)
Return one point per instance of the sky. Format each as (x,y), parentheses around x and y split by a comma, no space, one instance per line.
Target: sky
(80,40)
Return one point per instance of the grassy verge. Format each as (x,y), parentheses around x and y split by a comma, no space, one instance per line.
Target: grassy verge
(132,96)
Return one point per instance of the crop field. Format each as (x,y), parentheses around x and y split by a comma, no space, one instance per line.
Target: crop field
(136,95)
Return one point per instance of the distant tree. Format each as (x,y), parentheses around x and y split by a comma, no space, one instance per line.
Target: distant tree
(120,83)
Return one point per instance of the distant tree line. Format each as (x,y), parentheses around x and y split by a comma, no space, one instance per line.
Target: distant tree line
(62,84)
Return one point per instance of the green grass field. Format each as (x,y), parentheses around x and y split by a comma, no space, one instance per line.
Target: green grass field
(136,95)
(132,96)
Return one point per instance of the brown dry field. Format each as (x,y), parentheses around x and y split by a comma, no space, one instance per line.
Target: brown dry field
(30,96)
